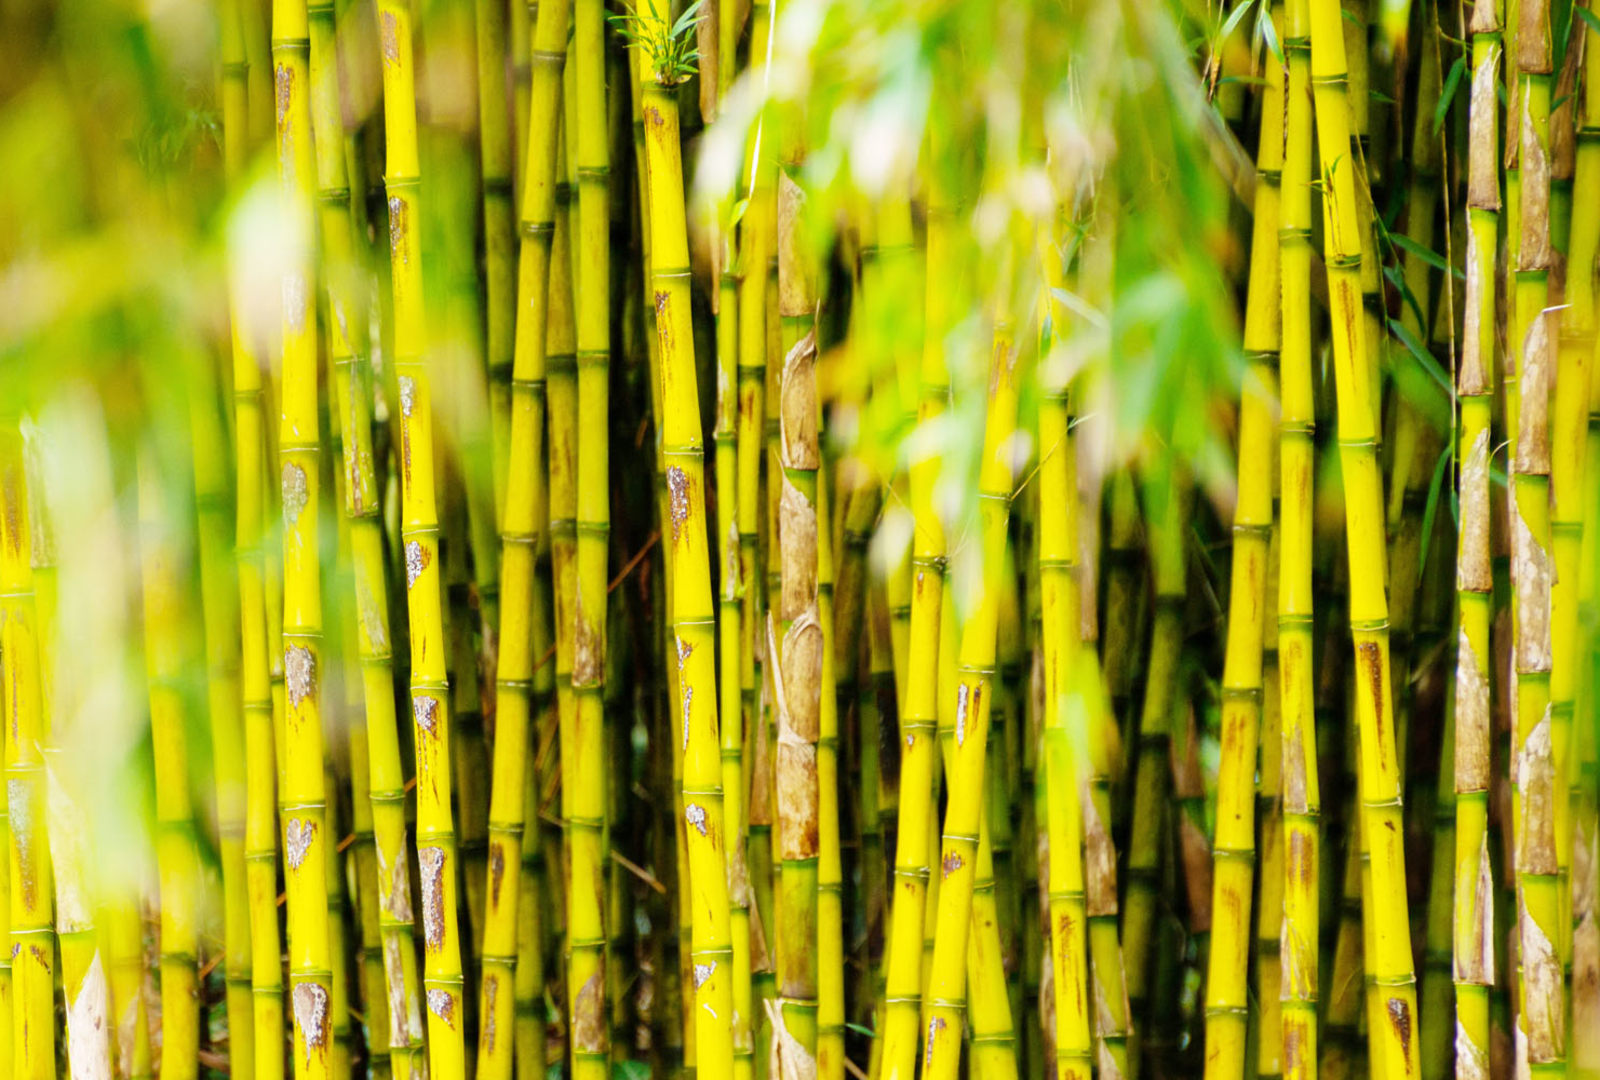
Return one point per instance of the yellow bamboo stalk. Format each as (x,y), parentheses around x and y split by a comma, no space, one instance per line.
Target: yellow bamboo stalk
(1168,517)
(1061,870)
(383,777)
(693,612)
(493,33)
(960,841)
(521,525)
(31,908)
(1302,801)
(1542,1013)
(261,831)
(83,972)
(436,840)
(1569,475)
(1233,845)
(1473,921)
(752,886)
(176,858)
(220,603)
(919,701)
(1389,958)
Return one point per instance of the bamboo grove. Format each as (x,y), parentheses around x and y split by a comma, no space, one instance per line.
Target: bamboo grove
(777,540)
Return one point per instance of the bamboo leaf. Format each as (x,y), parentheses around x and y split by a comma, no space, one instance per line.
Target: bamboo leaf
(1393,275)
(1589,17)
(690,16)
(1234,18)
(1436,409)
(1427,255)
(1447,95)
(1431,507)
(1269,33)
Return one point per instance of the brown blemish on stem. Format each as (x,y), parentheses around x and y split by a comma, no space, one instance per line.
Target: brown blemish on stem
(677,498)
(283,92)
(936,1026)
(443,1005)
(425,710)
(1399,1011)
(390,32)
(394,979)
(497,869)
(950,864)
(399,227)
(311,1017)
(297,837)
(491,990)
(295,493)
(1370,659)
(300,673)
(24,841)
(431,860)
(417,560)
(695,815)
(589,1015)
(396,899)
(588,648)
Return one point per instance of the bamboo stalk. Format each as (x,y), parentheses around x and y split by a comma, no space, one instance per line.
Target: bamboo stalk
(905,973)
(436,838)
(1389,959)
(220,603)
(586,810)
(261,834)
(756,242)
(523,506)
(32,921)
(176,858)
(1062,869)
(1542,1014)
(692,610)
(1473,938)
(1146,843)
(1233,844)
(1302,800)
(960,839)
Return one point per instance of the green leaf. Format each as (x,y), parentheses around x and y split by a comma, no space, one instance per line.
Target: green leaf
(1589,17)
(1427,255)
(1447,95)
(1269,33)
(1379,95)
(1431,507)
(859,1030)
(690,16)
(1235,16)
(1393,275)
(1423,358)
